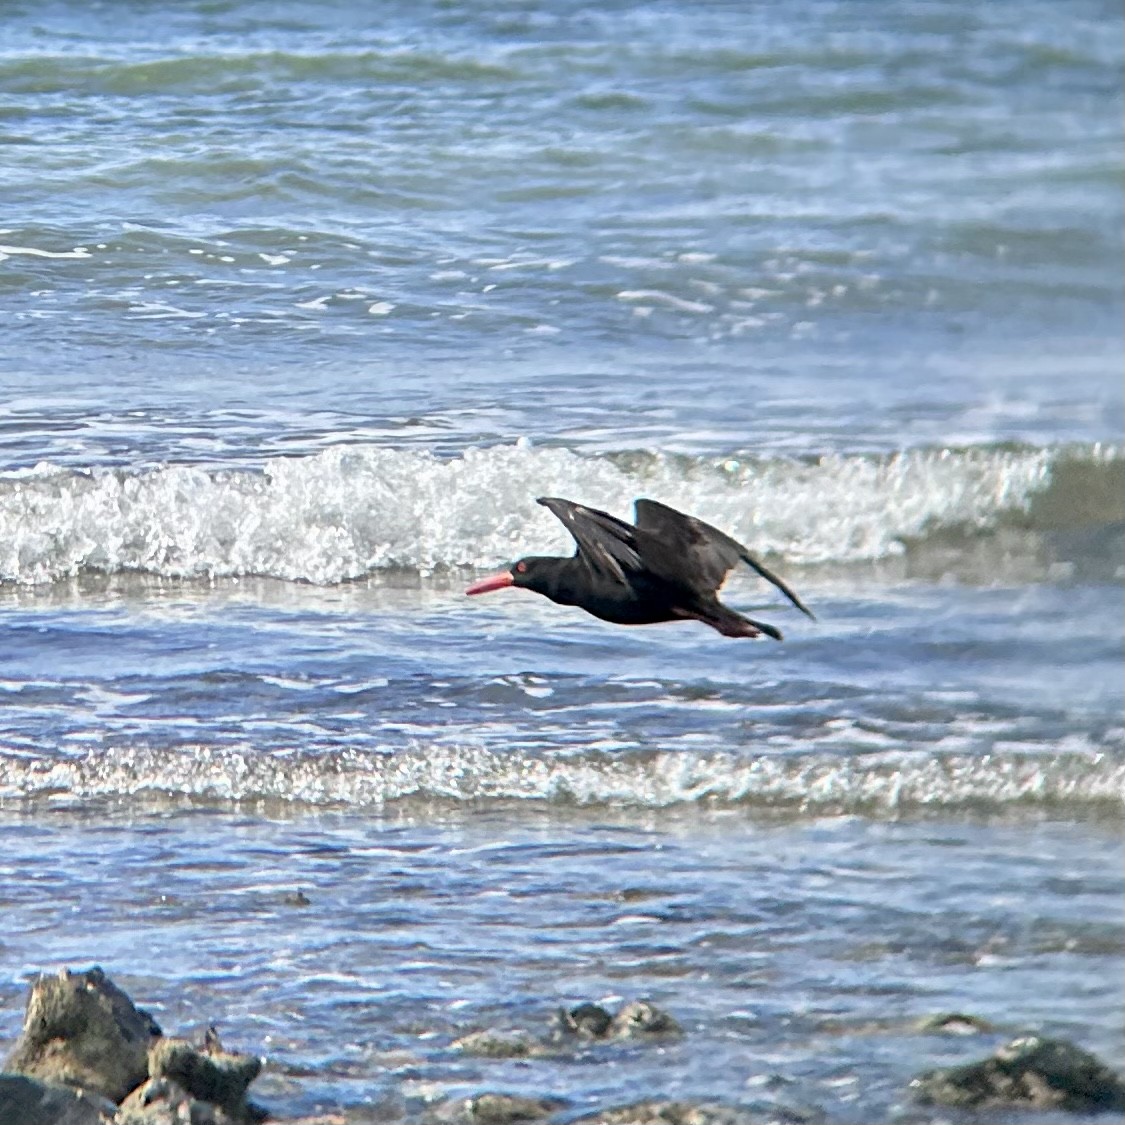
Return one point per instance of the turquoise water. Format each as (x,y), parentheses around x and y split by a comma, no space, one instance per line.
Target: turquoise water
(304,305)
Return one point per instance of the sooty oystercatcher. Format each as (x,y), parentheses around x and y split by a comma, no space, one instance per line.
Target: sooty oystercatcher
(666,567)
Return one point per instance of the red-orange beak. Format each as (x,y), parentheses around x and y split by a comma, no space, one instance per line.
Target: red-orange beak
(495,582)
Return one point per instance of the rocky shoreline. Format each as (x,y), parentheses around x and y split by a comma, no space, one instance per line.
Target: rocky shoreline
(88,1056)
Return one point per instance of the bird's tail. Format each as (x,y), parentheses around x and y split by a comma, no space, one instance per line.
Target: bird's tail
(769,576)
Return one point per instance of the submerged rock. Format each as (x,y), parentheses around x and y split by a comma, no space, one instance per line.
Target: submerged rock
(496,1109)
(585,1021)
(955,1023)
(501,1109)
(671,1113)
(636,1019)
(642,1018)
(591,1021)
(1030,1072)
(29,1101)
(80,1029)
(492,1044)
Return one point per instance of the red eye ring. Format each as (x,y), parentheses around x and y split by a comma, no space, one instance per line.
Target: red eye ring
(521,568)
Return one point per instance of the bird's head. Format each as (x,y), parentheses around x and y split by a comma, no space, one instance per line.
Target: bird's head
(532,573)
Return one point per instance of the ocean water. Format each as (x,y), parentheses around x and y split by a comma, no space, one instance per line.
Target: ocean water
(304,305)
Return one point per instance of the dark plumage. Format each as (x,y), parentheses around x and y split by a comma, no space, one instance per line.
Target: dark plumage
(666,567)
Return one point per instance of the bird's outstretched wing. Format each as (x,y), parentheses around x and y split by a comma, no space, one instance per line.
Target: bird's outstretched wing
(712,553)
(605,544)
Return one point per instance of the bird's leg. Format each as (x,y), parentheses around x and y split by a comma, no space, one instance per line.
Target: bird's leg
(736,628)
(732,624)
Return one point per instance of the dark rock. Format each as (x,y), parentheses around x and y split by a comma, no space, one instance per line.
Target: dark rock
(588,1020)
(82,1030)
(639,1018)
(208,1075)
(642,1018)
(28,1101)
(1030,1072)
(297,898)
(671,1113)
(160,1101)
(320,1119)
(499,1045)
(502,1109)
(955,1023)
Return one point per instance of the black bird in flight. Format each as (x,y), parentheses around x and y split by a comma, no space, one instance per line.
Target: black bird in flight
(667,567)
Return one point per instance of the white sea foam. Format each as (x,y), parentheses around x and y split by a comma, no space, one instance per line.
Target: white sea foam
(355,509)
(669,300)
(35,252)
(889,783)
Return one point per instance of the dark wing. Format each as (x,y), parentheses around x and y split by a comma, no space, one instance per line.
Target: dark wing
(710,553)
(605,544)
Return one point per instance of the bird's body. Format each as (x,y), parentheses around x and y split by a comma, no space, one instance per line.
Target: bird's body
(666,567)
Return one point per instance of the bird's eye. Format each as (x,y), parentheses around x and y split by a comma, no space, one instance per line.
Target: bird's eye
(521,568)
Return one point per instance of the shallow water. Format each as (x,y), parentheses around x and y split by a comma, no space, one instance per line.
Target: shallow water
(304,307)
(798,954)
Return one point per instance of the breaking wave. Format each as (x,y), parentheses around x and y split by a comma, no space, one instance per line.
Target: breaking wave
(353,510)
(885,783)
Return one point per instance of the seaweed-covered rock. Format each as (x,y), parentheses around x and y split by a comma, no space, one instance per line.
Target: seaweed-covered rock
(491,1044)
(1031,1072)
(503,1109)
(203,1086)
(495,1109)
(28,1101)
(636,1019)
(215,1076)
(80,1029)
(161,1101)
(671,1113)
(642,1018)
